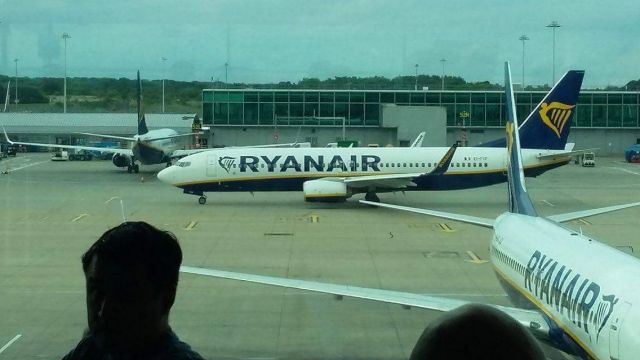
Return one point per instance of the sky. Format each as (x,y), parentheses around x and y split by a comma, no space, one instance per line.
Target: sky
(287,40)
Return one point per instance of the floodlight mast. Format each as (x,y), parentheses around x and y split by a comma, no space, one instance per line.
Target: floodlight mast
(65,36)
(554,25)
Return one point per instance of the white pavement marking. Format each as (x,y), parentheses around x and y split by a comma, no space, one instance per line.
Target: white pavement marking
(110,200)
(624,170)
(548,203)
(28,165)
(79,217)
(15,338)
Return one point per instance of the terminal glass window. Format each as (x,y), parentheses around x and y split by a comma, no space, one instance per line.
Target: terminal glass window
(295,110)
(614,115)
(357,97)
(372,114)
(251,97)
(432,98)
(448,98)
(372,97)
(417,98)
(251,113)
(493,115)
(356,114)
(477,115)
(630,115)
(235,114)
(583,116)
(342,97)
(402,98)
(342,110)
(266,97)
(387,97)
(326,110)
(295,97)
(326,97)
(311,110)
(599,116)
(281,111)
(221,113)
(311,97)
(282,96)
(266,113)
(463,98)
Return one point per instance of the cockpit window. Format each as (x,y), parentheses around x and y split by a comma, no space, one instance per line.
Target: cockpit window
(183,163)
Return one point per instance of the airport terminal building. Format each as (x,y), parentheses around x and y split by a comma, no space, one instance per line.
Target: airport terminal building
(603,119)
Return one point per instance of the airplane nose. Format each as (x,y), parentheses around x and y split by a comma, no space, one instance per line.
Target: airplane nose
(166,175)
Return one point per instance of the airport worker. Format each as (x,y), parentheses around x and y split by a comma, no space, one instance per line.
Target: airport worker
(131,280)
(474,332)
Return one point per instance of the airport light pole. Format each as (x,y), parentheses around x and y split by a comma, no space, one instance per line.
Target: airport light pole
(443,60)
(226,75)
(554,25)
(523,38)
(416,86)
(163,76)
(16,97)
(65,36)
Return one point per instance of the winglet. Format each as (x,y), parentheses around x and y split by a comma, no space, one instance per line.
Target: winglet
(142,123)
(519,201)
(418,141)
(444,163)
(6,98)
(6,137)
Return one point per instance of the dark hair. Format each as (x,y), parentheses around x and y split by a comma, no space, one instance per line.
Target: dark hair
(139,244)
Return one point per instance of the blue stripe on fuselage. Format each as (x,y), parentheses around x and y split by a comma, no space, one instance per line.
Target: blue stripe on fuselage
(431,183)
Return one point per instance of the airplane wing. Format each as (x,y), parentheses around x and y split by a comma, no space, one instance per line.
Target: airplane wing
(109,136)
(397,181)
(6,98)
(127,152)
(533,320)
(586,213)
(480,221)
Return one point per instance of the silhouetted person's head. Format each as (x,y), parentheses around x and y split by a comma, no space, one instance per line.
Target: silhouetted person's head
(131,275)
(474,332)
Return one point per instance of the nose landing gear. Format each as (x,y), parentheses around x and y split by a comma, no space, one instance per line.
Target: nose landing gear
(202,200)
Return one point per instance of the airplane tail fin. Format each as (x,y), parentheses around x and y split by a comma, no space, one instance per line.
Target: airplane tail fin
(142,123)
(548,125)
(519,201)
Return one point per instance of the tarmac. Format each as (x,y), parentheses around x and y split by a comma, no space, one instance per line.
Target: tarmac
(53,211)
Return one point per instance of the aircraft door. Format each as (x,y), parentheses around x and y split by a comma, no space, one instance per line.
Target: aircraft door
(614,330)
(212,166)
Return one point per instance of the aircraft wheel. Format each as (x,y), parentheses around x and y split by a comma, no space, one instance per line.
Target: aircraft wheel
(202,200)
(372,197)
(136,168)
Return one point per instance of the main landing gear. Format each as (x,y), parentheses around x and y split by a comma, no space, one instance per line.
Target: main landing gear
(133,168)
(202,200)
(371,196)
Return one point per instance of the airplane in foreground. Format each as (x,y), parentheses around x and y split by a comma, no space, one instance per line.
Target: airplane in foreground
(6,98)
(335,174)
(546,269)
(148,147)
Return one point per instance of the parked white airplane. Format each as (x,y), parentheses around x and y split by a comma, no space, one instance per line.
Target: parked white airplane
(570,291)
(334,174)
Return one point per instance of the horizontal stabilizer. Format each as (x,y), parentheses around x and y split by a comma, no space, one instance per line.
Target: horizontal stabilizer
(556,155)
(445,215)
(586,213)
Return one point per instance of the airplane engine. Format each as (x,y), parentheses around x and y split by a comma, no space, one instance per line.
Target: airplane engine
(325,191)
(120,160)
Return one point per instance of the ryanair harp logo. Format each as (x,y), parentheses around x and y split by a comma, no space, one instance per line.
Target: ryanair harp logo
(555,115)
(226,162)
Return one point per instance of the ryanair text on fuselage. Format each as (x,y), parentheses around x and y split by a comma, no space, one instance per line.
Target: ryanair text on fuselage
(249,163)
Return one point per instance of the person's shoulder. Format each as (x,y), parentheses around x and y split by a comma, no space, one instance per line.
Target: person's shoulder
(85,349)
(175,349)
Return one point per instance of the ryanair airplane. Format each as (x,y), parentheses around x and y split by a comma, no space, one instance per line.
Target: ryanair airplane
(335,174)
(545,268)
